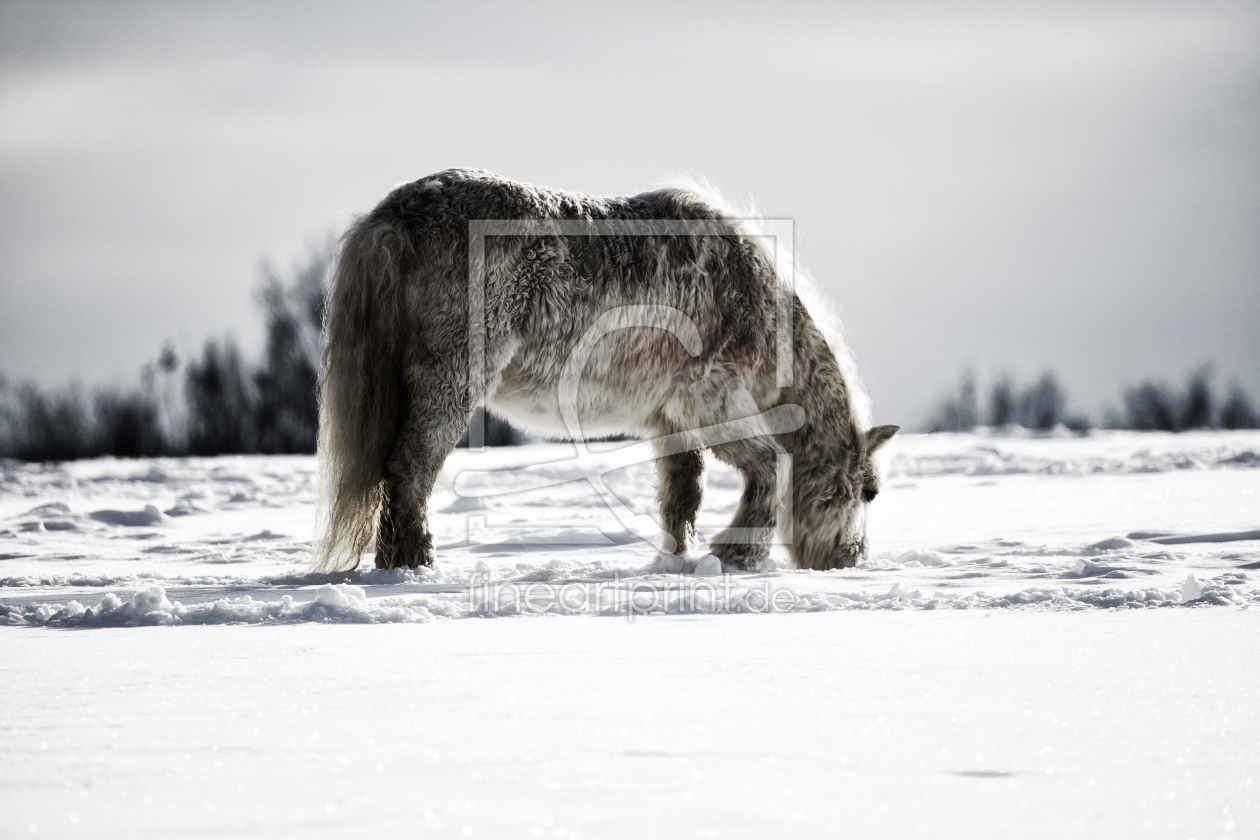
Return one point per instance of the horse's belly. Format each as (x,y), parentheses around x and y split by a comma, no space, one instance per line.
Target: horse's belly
(614,396)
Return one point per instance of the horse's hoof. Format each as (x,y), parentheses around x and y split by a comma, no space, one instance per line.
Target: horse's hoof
(739,560)
(405,558)
(424,557)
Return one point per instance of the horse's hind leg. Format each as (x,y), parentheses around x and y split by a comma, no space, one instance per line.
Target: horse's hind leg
(432,426)
(681,486)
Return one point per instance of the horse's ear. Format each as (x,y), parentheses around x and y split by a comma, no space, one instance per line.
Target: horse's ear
(878,436)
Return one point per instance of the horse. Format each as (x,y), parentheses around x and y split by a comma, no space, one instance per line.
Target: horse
(687,329)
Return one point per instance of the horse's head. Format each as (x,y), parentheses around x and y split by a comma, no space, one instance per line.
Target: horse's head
(829,518)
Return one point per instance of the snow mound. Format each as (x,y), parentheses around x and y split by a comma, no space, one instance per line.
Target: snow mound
(1113,544)
(923,557)
(1191,590)
(342,596)
(50,509)
(183,507)
(1090,568)
(129,518)
(915,558)
(333,604)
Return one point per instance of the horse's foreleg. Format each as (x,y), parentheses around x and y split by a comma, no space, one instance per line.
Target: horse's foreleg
(681,486)
(746,542)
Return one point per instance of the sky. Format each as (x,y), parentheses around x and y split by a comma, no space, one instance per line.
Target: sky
(1006,188)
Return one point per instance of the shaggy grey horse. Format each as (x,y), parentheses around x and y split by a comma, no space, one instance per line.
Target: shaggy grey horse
(685,327)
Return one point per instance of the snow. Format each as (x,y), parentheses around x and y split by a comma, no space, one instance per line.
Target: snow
(1051,635)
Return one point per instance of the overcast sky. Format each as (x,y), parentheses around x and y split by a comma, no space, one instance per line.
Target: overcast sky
(1011,187)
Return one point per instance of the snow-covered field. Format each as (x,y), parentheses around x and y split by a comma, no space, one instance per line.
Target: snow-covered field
(1052,637)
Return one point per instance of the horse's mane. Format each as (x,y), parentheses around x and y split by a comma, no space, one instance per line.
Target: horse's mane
(790,271)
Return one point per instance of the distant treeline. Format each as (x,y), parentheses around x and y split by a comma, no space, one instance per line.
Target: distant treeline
(1148,406)
(219,404)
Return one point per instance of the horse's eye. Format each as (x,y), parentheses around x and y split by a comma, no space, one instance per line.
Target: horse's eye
(869,494)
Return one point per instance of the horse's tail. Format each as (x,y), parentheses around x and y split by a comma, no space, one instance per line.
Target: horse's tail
(361,388)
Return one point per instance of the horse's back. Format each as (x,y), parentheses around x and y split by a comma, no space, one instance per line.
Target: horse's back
(547,288)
